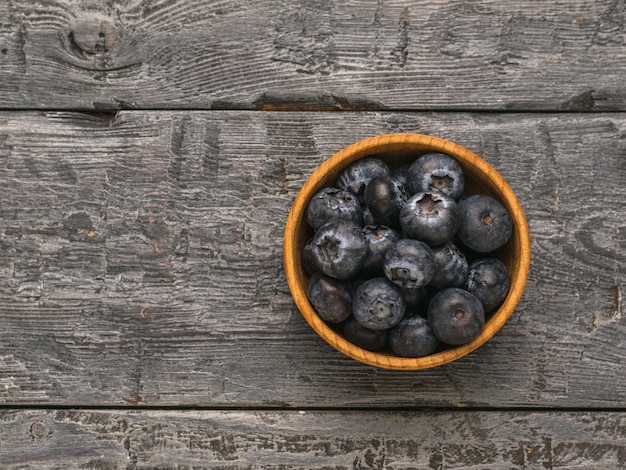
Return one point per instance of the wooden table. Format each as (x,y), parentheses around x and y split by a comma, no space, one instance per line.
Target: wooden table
(149,153)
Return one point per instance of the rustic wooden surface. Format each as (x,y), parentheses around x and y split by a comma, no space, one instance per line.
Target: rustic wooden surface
(145,321)
(312,439)
(323,54)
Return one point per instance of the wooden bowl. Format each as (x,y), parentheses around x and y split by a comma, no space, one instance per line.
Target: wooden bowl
(396,150)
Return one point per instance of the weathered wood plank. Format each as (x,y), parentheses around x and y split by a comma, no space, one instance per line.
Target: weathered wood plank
(314,54)
(310,440)
(141,262)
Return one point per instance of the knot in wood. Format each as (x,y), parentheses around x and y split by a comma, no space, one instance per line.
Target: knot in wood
(94,34)
(37,430)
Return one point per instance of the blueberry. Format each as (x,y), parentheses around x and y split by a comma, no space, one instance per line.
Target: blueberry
(333,203)
(436,172)
(489,281)
(308,262)
(413,297)
(368,217)
(455,316)
(379,239)
(366,338)
(401,174)
(451,267)
(413,337)
(339,248)
(330,298)
(385,196)
(431,217)
(378,304)
(359,279)
(485,224)
(409,263)
(355,177)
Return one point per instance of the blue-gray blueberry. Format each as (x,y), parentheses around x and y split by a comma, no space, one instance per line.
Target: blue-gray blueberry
(413,337)
(378,304)
(333,203)
(368,217)
(339,248)
(330,298)
(455,316)
(413,297)
(485,224)
(409,263)
(308,263)
(355,176)
(385,196)
(379,239)
(452,267)
(436,172)
(431,217)
(401,174)
(489,280)
(366,338)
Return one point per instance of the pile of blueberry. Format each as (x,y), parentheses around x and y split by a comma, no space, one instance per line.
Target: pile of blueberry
(404,259)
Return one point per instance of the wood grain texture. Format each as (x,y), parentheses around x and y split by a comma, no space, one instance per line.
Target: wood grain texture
(318,54)
(233,440)
(141,262)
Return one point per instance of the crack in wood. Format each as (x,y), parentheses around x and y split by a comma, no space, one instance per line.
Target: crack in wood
(401,51)
(136,398)
(313,103)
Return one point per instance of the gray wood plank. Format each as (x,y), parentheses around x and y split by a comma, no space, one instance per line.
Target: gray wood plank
(141,262)
(232,440)
(320,54)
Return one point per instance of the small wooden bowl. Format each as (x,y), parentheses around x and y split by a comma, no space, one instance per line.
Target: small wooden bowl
(396,150)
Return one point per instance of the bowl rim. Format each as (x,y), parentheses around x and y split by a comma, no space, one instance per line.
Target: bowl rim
(386,143)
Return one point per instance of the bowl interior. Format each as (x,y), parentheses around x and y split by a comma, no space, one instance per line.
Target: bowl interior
(397,150)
